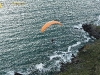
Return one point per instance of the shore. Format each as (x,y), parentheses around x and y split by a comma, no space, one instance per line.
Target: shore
(87,61)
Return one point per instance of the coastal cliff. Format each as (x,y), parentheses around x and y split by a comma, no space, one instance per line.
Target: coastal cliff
(87,61)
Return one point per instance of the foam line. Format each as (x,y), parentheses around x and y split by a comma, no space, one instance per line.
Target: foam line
(79,26)
(98,21)
(87,38)
(39,66)
(78,43)
(54,56)
(74,45)
(10,73)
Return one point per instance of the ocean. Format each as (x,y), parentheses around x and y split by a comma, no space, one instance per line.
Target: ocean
(26,50)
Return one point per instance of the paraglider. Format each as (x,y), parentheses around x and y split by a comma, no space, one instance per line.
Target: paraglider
(52,40)
(46,25)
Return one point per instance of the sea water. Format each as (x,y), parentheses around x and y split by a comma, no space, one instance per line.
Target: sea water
(24,49)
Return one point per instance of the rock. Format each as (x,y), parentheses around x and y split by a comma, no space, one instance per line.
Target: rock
(63,67)
(73,56)
(17,73)
(75,60)
(93,30)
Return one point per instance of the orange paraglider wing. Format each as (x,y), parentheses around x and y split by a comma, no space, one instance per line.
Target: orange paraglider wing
(46,25)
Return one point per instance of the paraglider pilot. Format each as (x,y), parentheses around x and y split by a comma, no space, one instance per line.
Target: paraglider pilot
(52,40)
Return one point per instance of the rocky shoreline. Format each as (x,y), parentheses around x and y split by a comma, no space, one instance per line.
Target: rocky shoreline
(88,58)
(74,60)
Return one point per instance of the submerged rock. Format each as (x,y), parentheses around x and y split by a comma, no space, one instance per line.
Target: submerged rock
(93,30)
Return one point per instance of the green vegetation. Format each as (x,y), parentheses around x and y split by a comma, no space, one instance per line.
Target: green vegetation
(98,29)
(89,61)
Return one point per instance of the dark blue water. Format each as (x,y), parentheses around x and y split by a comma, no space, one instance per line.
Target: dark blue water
(23,48)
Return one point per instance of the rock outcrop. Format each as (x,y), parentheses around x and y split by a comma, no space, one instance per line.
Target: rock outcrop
(17,73)
(93,30)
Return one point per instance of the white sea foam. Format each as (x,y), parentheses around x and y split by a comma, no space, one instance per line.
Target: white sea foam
(69,48)
(78,43)
(99,17)
(54,56)
(97,0)
(65,56)
(10,73)
(39,66)
(87,38)
(79,26)
(57,63)
(74,45)
(98,21)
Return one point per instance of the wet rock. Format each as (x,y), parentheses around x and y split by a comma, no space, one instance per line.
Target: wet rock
(63,67)
(93,30)
(73,56)
(82,48)
(75,60)
(17,73)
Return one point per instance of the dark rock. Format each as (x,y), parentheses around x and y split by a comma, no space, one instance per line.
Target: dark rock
(82,48)
(63,67)
(73,56)
(17,73)
(88,27)
(92,30)
(75,60)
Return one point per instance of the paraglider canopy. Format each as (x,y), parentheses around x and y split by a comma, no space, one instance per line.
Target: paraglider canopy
(46,25)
